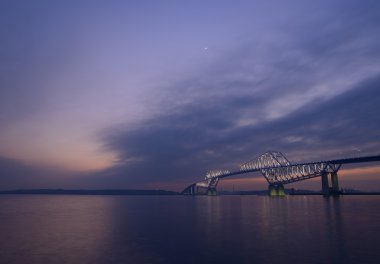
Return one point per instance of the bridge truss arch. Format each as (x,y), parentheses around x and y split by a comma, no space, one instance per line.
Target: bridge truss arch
(298,172)
(269,159)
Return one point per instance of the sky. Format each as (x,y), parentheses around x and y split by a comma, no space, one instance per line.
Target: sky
(153,94)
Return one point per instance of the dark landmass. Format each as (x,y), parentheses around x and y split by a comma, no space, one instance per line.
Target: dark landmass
(257,192)
(265,192)
(302,192)
(361,193)
(342,192)
(90,192)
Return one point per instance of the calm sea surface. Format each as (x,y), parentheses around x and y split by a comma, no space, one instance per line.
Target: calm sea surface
(179,229)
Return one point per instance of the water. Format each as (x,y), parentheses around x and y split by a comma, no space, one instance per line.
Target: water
(178,229)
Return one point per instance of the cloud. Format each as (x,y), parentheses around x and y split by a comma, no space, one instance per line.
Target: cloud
(185,144)
(311,93)
(303,81)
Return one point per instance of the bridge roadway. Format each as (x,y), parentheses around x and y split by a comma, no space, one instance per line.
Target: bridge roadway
(277,170)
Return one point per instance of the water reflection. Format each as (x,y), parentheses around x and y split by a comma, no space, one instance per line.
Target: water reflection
(178,229)
(53,229)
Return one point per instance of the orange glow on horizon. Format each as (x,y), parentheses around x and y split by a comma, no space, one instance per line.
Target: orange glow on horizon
(364,171)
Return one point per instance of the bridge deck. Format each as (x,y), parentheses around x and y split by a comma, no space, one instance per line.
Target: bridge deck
(336,162)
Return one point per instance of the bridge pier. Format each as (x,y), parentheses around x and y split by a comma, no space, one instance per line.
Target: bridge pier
(326,189)
(325,184)
(276,190)
(334,184)
(212,192)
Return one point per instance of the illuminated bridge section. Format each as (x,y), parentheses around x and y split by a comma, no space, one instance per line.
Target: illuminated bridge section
(216,173)
(277,170)
(267,160)
(298,172)
(208,185)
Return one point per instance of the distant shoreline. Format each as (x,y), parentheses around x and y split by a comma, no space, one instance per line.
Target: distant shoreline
(353,193)
(89,192)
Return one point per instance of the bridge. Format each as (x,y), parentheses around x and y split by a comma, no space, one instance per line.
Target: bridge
(278,171)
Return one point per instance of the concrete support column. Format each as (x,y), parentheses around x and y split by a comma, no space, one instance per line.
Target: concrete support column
(325,184)
(276,190)
(335,184)
(280,190)
(272,190)
(211,192)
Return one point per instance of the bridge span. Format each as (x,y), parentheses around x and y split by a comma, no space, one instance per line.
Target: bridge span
(278,171)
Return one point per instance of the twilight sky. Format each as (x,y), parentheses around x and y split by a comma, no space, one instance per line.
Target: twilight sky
(152,94)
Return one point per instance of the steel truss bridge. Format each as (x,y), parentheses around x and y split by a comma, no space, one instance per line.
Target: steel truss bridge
(278,170)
